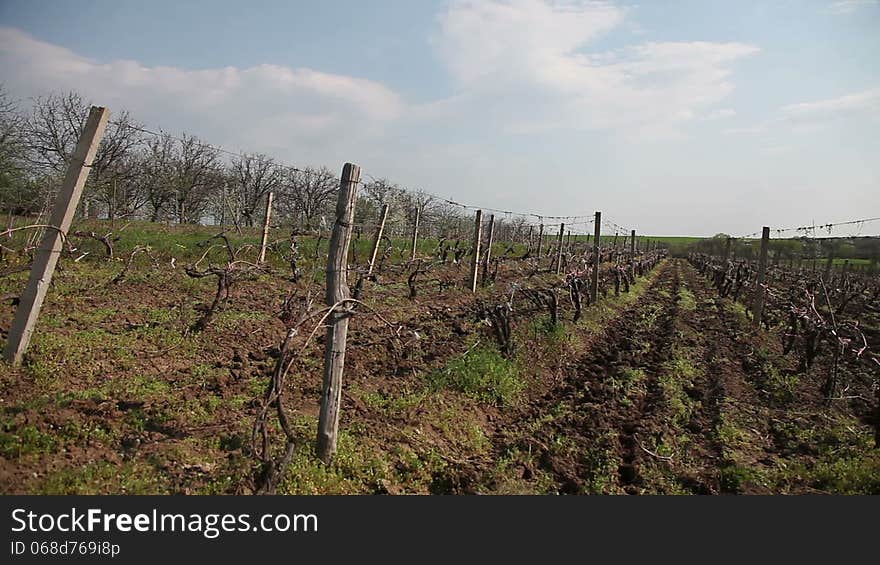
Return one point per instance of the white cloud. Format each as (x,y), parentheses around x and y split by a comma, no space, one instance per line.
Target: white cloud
(773,150)
(720,114)
(866,103)
(518,67)
(262,107)
(844,7)
(812,116)
(749,130)
(528,58)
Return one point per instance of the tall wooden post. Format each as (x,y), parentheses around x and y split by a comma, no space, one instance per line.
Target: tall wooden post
(614,247)
(830,261)
(266,219)
(378,239)
(31,300)
(540,239)
(475,263)
(489,241)
(726,261)
(758,304)
(559,239)
(632,255)
(337,322)
(594,283)
(415,234)
(568,242)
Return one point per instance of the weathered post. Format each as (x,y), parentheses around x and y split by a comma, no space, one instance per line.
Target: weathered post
(415,234)
(266,220)
(614,246)
(632,255)
(475,263)
(726,260)
(337,321)
(530,238)
(488,256)
(540,239)
(378,239)
(559,242)
(46,257)
(594,283)
(758,304)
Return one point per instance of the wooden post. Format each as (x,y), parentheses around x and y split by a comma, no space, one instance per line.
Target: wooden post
(378,239)
(31,300)
(614,245)
(758,304)
(726,261)
(559,240)
(594,283)
(415,234)
(632,255)
(568,242)
(337,322)
(530,237)
(265,239)
(489,242)
(540,240)
(475,263)
(830,262)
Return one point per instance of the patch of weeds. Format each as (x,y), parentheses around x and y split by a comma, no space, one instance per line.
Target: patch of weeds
(628,382)
(230,319)
(686,300)
(143,387)
(481,372)
(600,462)
(517,473)
(679,373)
(356,468)
(735,477)
(858,474)
(85,432)
(782,385)
(730,436)
(463,431)
(95,317)
(27,440)
(103,477)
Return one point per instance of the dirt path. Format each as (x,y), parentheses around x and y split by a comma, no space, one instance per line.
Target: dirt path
(663,401)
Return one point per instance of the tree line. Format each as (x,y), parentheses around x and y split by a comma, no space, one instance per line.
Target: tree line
(180,178)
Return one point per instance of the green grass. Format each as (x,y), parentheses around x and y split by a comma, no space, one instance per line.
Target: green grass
(686,299)
(27,440)
(103,477)
(481,372)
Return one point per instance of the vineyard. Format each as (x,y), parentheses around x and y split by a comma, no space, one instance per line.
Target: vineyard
(397,351)
(170,365)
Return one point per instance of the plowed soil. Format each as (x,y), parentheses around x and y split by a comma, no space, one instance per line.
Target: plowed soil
(663,390)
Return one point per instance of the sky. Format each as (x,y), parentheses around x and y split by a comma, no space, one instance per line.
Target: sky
(672,118)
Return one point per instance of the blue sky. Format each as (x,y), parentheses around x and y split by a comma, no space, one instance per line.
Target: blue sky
(688,117)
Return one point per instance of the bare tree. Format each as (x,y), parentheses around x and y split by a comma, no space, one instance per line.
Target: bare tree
(16,193)
(155,178)
(195,173)
(306,194)
(52,130)
(252,177)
